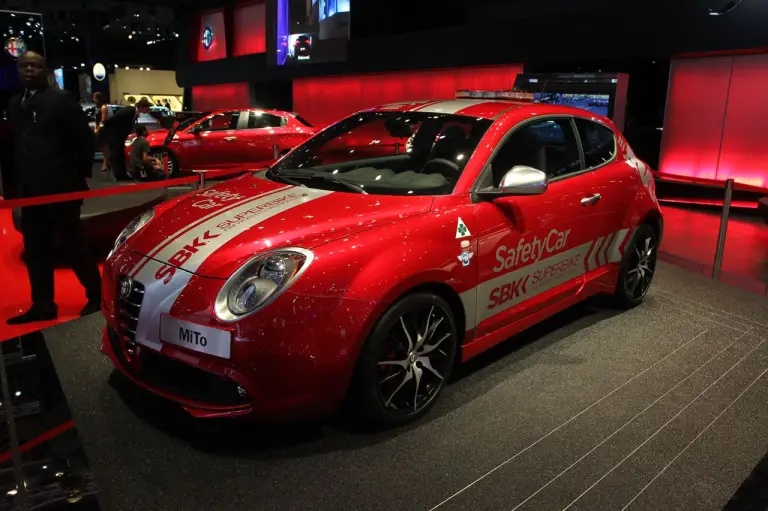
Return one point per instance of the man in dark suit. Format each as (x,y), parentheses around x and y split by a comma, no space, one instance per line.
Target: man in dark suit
(53,153)
(116,131)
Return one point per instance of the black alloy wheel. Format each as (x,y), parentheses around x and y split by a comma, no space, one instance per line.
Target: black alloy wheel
(638,267)
(405,363)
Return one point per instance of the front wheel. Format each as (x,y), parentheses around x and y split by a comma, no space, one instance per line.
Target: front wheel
(637,267)
(406,361)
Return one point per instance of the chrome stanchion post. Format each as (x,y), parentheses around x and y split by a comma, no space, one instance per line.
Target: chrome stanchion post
(723,229)
(200,180)
(275,152)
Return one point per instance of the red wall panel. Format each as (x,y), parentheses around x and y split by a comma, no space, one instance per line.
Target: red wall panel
(714,126)
(249,29)
(325,100)
(743,154)
(225,95)
(693,124)
(218,49)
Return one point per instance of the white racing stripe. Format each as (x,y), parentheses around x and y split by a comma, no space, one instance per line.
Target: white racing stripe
(205,238)
(451,106)
(220,211)
(509,289)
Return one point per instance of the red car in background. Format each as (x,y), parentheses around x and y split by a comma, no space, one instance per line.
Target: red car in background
(375,256)
(226,139)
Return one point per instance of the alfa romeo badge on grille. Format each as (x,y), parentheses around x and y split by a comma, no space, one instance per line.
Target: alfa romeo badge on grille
(126,286)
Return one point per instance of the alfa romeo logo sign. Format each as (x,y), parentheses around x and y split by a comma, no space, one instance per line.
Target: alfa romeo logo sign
(15,46)
(207,37)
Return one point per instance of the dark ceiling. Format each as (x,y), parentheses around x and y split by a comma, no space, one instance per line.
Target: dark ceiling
(135,33)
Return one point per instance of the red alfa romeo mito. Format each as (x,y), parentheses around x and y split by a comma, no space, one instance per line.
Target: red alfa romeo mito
(374,257)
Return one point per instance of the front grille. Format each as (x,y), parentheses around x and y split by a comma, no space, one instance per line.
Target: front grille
(127,313)
(189,382)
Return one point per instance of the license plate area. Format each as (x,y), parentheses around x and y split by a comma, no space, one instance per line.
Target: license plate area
(199,338)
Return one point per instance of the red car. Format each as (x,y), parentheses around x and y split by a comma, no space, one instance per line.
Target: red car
(375,256)
(226,139)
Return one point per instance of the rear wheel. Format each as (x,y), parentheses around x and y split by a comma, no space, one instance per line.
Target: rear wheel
(406,361)
(637,267)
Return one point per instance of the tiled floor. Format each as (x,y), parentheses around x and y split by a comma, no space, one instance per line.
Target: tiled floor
(659,407)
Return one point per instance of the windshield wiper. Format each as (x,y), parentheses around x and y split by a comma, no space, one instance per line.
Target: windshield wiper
(318,175)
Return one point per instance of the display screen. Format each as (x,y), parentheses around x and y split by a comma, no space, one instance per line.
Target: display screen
(311,31)
(19,32)
(58,77)
(596,103)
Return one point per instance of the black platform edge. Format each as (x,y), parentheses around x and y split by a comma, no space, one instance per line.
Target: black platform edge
(753,494)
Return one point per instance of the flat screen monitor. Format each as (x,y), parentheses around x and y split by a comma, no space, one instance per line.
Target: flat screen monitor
(311,31)
(600,93)
(596,103)
(58,77)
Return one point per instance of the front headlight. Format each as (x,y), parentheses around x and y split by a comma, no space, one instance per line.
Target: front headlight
(131,229)
(260,281)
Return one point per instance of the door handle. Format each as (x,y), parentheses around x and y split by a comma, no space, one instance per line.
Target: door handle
(230,139)
(589,201)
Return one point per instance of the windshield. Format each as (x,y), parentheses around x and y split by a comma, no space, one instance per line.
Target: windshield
(391,153)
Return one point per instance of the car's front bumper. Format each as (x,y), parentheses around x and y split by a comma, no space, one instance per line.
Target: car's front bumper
(292,360)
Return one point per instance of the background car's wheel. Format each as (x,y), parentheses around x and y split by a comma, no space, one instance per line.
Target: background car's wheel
(406,361)
(638,267)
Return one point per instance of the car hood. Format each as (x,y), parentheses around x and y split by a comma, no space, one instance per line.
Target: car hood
(214,231)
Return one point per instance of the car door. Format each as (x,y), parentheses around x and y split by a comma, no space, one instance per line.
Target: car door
(611,198)
(257,137)
(216,137)
(532,249)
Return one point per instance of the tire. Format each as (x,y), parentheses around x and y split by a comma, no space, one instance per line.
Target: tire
(638,267)
(173,163)
(383,390)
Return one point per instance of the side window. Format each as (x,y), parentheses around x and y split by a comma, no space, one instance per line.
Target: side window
(259,120)
(221,122)
(598,142)
(548,145)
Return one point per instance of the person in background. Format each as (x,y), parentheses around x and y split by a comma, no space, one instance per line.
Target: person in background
(53,153)
(102,113)
(141,166)
(116,130)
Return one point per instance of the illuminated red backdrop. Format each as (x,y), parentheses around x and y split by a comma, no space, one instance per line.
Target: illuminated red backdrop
(249,29)
(715,121)
(226,95)
(218,49)
(324,100)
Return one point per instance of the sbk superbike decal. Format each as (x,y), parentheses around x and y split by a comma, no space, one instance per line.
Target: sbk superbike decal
(537,274)
(190,248)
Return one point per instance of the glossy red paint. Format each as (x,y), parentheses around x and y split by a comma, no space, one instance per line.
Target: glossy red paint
(193,148)
(325,100)
(532,256)
(249,26)
(714,127)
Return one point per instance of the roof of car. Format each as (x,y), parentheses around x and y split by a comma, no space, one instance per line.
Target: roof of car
(482,108)
(266,110)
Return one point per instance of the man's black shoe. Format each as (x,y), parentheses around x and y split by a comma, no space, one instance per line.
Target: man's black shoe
(34,315)
(92,307)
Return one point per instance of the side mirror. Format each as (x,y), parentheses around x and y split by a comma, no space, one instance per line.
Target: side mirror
(521,180)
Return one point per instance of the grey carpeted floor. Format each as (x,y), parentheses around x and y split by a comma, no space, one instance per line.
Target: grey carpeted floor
(660,407)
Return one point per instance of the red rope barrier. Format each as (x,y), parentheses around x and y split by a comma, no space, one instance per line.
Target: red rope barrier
(117,190)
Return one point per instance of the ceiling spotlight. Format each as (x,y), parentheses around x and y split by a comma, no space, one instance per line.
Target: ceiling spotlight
(130,36)
(126,67)
(18,393)
(115,66)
